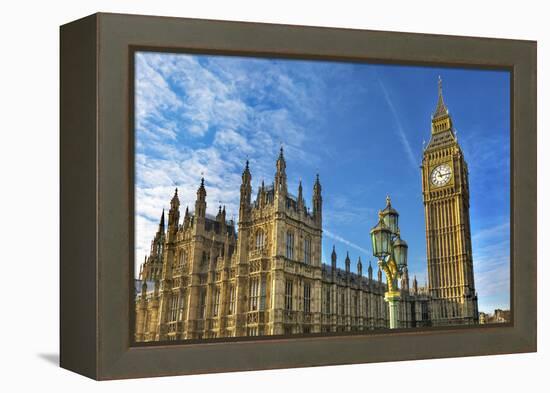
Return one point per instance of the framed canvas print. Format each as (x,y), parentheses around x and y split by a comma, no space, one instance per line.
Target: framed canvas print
(240,196)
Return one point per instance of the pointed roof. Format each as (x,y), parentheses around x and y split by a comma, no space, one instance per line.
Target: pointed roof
(161,224)
(317,186)
(175,201)
(246,171)
(201,191)
(441,108)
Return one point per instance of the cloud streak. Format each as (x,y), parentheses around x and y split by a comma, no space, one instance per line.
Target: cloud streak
(340,239)
(400,130)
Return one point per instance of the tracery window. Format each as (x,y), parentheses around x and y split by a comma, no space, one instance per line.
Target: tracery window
(216,302)
(260,239)
(254,294)
(307,297)
(174,307)
(290,245)
(231,308)
(307,250)
(202,303)
(288,295)
(262,294)
(327,301)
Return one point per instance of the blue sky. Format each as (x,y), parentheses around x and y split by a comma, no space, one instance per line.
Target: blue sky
(360,126)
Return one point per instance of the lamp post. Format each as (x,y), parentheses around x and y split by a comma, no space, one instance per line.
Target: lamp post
(391,252)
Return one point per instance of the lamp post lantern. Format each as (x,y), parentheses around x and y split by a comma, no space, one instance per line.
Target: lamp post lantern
(391,252)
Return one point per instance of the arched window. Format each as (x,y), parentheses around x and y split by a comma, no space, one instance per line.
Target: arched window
(307,250)
(290,245)
(260,239)
(216,302)
(174,308)
(327,300)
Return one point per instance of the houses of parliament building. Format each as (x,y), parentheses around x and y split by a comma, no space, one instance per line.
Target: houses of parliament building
(208,277)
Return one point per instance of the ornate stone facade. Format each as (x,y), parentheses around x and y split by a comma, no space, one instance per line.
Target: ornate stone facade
(447,210)
(201,280)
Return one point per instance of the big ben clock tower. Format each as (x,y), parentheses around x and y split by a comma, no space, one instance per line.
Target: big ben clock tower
(447,212)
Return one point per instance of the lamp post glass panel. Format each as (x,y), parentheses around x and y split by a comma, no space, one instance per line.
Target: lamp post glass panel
(391,252)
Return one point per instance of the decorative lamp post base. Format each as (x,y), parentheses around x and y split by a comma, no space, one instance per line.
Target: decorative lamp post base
(393,301)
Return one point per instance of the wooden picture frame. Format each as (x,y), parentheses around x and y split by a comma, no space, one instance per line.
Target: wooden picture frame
(96,273)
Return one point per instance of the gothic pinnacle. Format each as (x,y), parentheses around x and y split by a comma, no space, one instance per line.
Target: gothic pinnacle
(161,225)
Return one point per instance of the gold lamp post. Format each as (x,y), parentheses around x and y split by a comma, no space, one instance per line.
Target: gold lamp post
(391,252)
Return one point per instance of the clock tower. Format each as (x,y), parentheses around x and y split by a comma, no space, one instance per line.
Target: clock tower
(446,198)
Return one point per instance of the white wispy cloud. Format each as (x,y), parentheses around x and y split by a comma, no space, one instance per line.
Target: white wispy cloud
(502,229)
(399,127)
(204,117)
(491,256)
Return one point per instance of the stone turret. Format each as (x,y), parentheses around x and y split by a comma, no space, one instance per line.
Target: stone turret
(246,192)
(200,203)
(333,259)
(317,202)
(300,201)
(173,216)
(280,175)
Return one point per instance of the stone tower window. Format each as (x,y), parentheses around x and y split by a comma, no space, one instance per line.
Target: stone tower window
(231,308)
(254,293)
(307,250)
(216,304)
(307,297)
(327,301)
(260,239)
(174,303)
(202,303)
(290,245)
(288,295)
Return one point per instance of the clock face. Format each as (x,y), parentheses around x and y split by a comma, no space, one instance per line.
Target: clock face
(441,175)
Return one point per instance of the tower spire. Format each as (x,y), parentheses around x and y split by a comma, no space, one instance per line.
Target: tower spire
(441,120)
(441,108)
(317,202)
(246,193)
(280,175)
(173,216)
(200,203)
